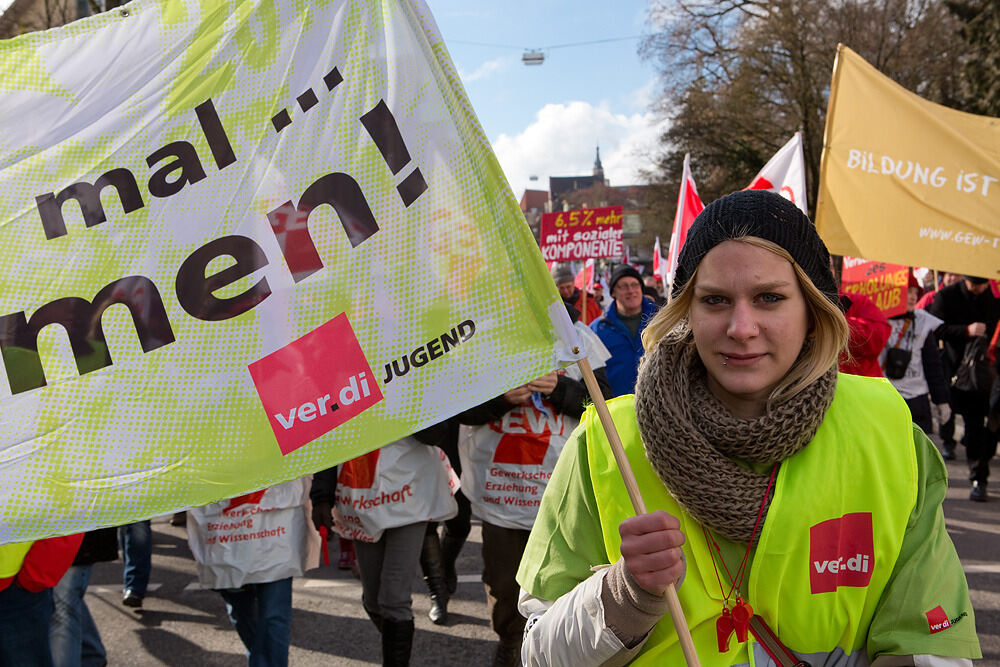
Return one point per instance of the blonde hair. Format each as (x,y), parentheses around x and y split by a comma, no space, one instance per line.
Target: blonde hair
(826,340)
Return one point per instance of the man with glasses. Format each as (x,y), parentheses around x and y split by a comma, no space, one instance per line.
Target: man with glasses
(620,328)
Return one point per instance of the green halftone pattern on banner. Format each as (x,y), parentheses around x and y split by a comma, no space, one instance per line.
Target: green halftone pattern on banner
(184,423)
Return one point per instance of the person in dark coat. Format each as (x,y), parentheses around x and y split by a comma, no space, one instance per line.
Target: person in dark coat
(969,311)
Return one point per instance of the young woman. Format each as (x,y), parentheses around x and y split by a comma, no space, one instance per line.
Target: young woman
(912,362)
(782,496)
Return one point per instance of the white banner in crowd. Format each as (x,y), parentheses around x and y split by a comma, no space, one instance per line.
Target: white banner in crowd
(241,242)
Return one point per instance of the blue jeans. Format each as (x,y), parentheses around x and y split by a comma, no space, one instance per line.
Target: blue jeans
(136,541)
(262,616)
(73,635)
(24,619)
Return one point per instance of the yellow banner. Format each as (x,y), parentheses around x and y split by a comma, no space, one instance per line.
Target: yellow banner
(905,180)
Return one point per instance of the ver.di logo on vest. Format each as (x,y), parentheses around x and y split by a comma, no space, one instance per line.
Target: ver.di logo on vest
(841,553)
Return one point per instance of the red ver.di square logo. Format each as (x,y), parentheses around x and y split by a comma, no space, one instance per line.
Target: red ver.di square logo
(841,552)
(314,384)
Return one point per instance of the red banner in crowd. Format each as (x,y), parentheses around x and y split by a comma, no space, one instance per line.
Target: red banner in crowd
(590,233)
(883,283)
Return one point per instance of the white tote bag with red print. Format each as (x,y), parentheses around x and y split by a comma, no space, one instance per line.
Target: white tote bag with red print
(507,463)
(255,538)
(402,483)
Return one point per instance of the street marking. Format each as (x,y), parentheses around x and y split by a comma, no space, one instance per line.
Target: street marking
(329,583)
(117,590)
(981,568)
(976,526)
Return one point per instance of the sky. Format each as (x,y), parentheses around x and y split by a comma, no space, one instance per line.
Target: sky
(547,120)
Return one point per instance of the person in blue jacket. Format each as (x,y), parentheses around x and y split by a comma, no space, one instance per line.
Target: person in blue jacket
(621,326)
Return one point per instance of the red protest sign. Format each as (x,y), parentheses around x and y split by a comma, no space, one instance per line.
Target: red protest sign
(589,233)
(883,283)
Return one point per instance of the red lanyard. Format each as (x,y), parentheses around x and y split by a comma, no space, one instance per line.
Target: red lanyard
(738,620)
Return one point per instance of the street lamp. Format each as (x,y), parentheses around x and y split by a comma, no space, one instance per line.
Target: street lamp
(533,58)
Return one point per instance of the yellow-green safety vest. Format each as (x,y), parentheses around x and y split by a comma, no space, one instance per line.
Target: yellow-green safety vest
(12,557)
(828,544)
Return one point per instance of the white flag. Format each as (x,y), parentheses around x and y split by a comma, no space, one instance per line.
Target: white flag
(785,173)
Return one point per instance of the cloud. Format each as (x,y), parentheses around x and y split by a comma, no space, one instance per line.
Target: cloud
(561,142)
(486,70)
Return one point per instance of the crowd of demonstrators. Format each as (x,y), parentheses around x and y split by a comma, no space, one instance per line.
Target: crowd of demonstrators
(739,413)
(970,313)
(572,296)
(748,447)
(509,446)
(254,576)
(912,362)
(384,501)
(620,327)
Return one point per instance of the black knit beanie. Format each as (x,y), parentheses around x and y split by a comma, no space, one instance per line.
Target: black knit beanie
(622,271)
(765,215)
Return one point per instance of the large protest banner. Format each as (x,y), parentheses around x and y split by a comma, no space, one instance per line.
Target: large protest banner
(905,180)
(270,235)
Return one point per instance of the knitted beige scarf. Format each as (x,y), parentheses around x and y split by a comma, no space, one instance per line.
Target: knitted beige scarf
(691,438)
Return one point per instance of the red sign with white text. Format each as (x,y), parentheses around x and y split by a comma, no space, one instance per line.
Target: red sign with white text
(883,283)
(589,233)
(314,384)
(841,553)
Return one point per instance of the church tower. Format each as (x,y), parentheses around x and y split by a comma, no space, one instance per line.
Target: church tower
(598,169)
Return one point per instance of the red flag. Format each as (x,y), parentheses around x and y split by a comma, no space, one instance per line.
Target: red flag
(688,207)
(580,280)
(785,173)
(658,263)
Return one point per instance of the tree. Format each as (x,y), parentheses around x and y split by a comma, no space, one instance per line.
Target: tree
(739,77)
(29,15)
(980,30)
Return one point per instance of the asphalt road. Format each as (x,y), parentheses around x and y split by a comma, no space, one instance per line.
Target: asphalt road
(180,624)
